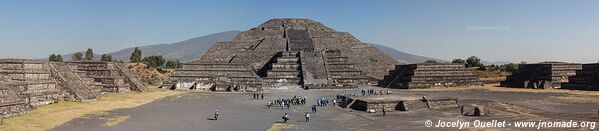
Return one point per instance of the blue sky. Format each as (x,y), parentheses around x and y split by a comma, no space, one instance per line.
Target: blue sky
(495,30)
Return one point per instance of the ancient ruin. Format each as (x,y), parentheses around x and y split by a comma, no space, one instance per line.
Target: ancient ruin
(285,52)
(541,75)
(585,79)
(25,84)
(376,103)
(428,75)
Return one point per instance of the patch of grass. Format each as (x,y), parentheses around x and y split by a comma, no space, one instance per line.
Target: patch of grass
(116,121)
(279,126)
(46,117)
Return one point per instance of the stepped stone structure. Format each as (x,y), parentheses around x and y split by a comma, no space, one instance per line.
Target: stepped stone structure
(585,79)
(25,84)
(285,52)
(427,75)
(397,103)
(541,75)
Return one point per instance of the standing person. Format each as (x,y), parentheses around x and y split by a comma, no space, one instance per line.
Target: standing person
(334,102)
(307,117)
(384,111)
(313,108)
(462,110)
(285,118)
(363,92)
(216,115)
(261,96)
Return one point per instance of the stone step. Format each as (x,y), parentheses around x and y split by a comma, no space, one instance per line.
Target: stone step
(214,66)
(283,73)
(287,60)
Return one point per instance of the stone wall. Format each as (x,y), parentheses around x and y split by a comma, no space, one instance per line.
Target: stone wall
(25,84)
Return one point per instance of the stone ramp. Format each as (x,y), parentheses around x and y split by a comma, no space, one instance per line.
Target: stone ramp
(71,82)
(133,80)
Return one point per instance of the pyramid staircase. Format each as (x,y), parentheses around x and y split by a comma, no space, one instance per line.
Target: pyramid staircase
(285,70)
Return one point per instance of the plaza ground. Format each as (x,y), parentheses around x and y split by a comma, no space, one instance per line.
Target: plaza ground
(194,110)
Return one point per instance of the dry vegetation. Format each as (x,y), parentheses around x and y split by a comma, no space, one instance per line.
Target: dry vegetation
(149,75)
(278,127)
(49,116)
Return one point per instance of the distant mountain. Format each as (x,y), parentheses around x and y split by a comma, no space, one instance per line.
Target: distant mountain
(185,51)
(192,49)
(403,56)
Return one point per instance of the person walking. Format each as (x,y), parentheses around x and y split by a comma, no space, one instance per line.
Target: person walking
(216,115)
(307,117)
(285,118)
(384,111)
(261,96)
(462,110)
(313,108)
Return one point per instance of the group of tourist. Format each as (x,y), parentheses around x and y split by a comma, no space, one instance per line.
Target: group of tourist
(325,101)
(287,102)
(258,96)
(374,92)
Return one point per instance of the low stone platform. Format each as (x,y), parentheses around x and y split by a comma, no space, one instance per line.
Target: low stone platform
(397,103)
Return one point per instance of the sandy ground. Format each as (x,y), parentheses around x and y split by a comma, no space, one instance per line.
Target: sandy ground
(239,112)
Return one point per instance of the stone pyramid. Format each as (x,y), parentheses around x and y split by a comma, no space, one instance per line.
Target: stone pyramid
(285,52)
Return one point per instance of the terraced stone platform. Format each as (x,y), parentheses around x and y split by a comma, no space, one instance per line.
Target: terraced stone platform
(543,75)
(25,84)
(429,75)
(585,79)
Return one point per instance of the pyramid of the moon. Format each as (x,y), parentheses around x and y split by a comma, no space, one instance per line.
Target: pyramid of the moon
(541,75)
(285,52)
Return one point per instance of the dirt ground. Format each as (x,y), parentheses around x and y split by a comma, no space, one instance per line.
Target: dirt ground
(194,111)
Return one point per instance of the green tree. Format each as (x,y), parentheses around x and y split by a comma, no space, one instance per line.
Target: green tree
(458,61)
(173,64)
(511,67)
(77,56)
(55,58)
(473,61)
(431,61)
(89,54)
(154,61)
(135,56)
(106,58)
